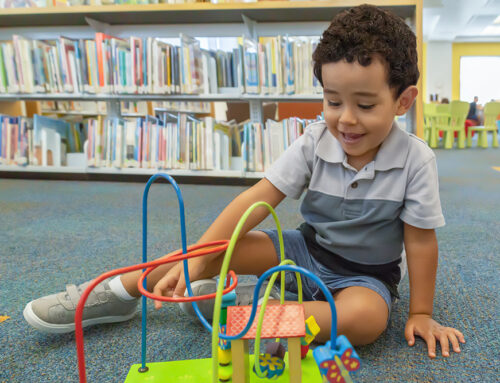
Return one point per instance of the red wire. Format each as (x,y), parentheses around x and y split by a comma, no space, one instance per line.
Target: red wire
(174,256)
(229,288)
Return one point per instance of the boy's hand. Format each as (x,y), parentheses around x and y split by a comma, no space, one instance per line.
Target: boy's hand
(430,330)
(173,283)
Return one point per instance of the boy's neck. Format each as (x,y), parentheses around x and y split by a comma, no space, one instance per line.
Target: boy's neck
(358,162)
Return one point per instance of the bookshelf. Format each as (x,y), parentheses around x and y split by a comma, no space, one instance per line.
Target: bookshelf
(193,13)
(273,12)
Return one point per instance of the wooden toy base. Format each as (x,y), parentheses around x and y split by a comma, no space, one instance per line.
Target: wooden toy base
(200,371)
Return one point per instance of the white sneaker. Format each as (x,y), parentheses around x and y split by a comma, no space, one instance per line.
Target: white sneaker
(56,313)
(244,296)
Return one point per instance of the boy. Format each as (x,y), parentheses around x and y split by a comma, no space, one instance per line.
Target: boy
(370,188)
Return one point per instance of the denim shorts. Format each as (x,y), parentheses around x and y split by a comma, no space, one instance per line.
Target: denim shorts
(296,250)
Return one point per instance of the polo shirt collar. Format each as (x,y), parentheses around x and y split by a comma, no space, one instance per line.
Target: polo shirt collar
(394,150)
(392,153)
(329,148)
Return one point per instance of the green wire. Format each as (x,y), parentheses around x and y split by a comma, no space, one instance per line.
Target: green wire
(222,278)
(260,322)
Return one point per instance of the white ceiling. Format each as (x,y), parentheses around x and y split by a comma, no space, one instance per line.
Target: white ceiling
(461,20)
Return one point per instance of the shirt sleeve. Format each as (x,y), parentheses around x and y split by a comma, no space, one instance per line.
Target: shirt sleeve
(422,206)
(291,172)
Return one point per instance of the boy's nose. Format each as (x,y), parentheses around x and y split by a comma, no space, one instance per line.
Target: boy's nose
(347,117)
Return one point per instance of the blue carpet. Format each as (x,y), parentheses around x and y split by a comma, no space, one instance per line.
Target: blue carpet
(56,232)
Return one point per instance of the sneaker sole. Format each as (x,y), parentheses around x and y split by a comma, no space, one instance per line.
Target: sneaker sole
(51,328)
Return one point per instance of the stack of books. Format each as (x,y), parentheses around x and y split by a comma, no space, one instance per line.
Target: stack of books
(21,138)
(168,141)
(109,65)
(262,144)
(175,141)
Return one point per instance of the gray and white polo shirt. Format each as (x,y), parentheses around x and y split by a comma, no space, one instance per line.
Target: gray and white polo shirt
(359,215)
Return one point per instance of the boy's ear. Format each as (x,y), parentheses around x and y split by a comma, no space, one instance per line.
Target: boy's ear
(405,100)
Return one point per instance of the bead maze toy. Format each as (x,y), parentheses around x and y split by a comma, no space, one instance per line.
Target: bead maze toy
(232,326)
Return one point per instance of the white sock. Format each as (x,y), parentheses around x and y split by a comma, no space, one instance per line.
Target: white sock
(117,287)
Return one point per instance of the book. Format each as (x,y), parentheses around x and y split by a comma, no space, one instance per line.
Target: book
(3,74)
(251,65)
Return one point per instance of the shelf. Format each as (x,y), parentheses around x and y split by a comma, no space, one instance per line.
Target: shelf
(41,169)
(173,111)
(159,97)
(85,114)
(172,172)
(215,177)
(77,113)
(194,13)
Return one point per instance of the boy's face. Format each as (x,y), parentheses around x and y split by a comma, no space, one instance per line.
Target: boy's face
(359,107)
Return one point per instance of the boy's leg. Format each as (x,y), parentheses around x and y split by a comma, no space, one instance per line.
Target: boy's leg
(252,255)
(362,315)
(54,313)
(255,253)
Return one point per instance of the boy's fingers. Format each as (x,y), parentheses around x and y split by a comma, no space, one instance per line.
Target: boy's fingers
(180,287)
(445,346)
(162,288)
(431,344)
(460,336)
(410,337)
(157,290)
(454,342)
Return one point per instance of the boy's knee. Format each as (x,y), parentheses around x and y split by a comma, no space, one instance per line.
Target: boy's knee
(365,320)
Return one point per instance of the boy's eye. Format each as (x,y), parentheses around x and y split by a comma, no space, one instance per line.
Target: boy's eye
(333,103)
(366,106)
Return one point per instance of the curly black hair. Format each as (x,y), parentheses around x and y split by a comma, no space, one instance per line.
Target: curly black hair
(362,32)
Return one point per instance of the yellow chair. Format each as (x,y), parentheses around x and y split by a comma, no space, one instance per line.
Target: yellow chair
(491,112)
(430,131)
(458,115)
(441,119)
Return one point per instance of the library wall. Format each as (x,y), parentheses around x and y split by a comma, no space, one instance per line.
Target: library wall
(468,49)
(438,70)
(299,109)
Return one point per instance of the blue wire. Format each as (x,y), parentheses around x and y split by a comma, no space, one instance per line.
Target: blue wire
(197,311)
(262,278)
(307,273)
(145,257)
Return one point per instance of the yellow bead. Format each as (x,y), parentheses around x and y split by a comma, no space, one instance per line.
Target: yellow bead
(224,357)
(225,373)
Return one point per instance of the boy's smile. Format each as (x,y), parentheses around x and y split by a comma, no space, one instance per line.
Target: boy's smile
(359,107)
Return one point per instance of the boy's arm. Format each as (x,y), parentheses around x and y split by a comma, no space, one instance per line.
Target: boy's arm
(422,258)
(222,228)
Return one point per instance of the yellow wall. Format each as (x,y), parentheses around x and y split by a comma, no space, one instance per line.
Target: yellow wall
(468,49)
(424,73)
